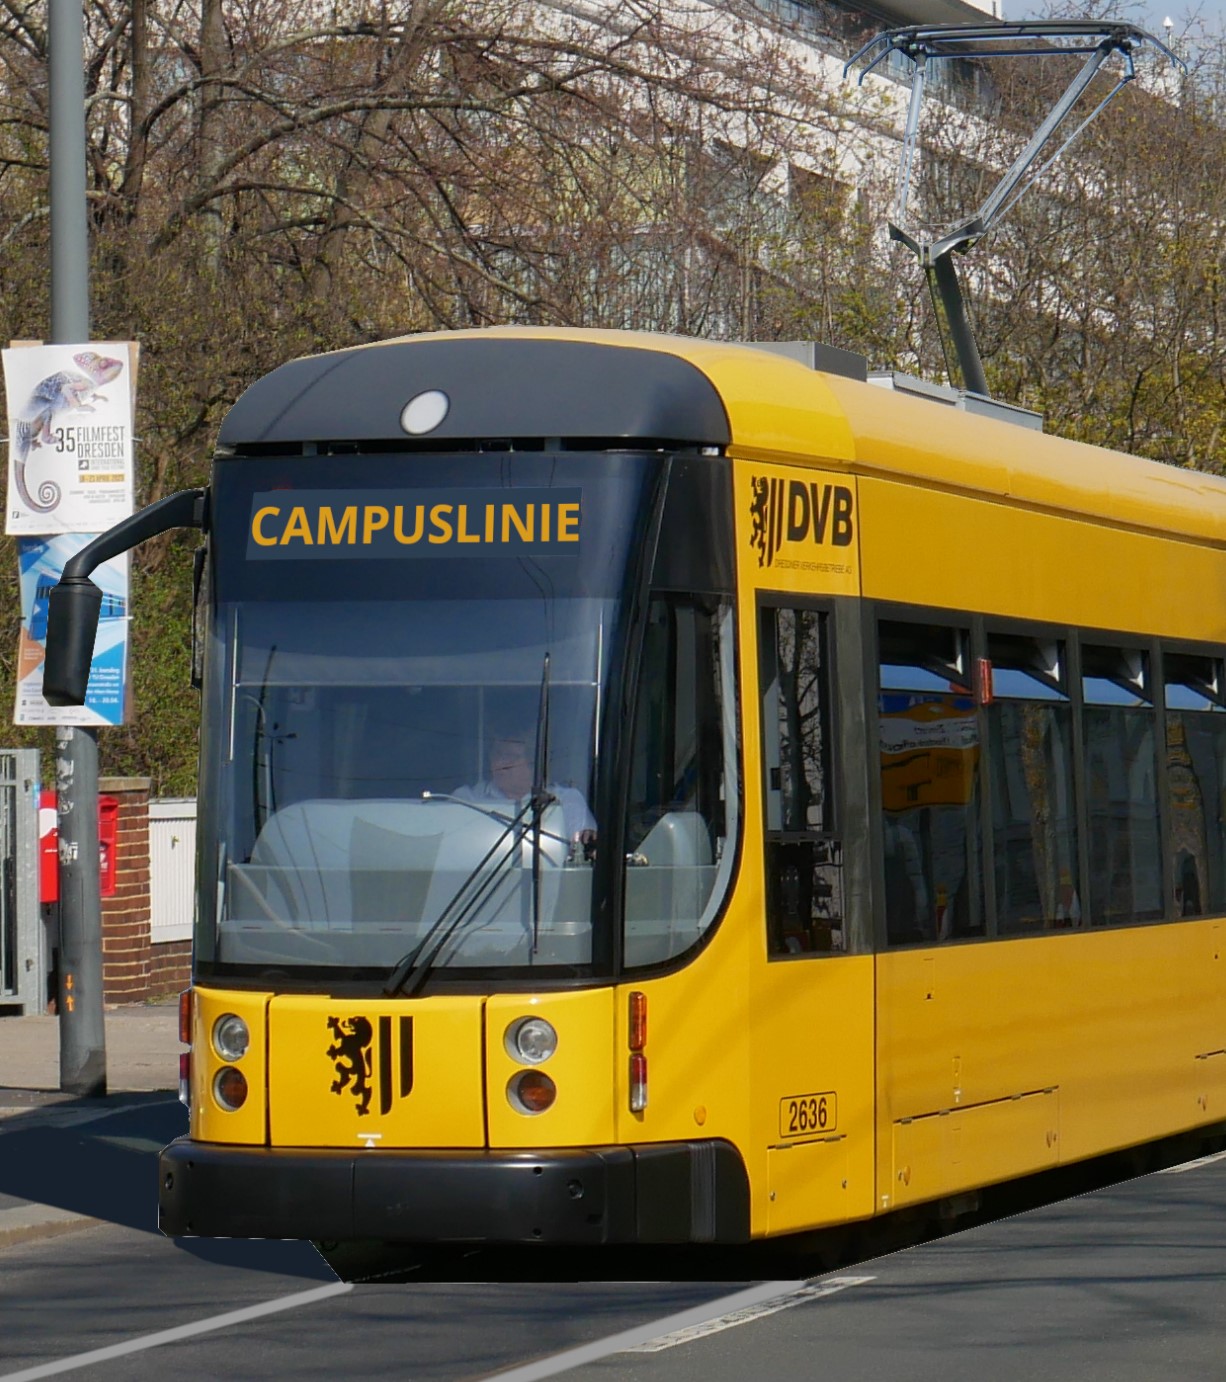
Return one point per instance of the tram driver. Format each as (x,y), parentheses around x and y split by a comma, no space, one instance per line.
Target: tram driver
(510,781)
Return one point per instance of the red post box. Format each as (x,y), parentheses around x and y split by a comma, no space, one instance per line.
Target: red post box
(49,846)
(108,842)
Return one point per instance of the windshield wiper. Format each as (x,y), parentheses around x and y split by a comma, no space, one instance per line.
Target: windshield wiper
(409,964)
(418,964)
(262,757)
(540,800)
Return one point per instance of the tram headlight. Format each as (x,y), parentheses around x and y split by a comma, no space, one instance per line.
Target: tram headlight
(531,1040)
(230,1088)
(531,1091)
(230,1037)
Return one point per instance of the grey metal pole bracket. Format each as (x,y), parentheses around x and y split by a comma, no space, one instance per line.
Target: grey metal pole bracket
(924,44)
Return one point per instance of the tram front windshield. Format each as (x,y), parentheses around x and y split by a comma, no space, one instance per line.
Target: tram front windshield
(404,698)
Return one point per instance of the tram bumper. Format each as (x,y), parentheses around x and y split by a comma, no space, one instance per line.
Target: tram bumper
(680,1192)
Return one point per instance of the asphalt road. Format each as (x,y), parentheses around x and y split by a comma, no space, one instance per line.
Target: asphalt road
(1123,1285)
(1126,1284)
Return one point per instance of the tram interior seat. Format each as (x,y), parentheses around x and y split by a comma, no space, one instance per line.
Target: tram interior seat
(389,868)
(667,887)
(679,839)
(386,868)
(306,854)
(382,858)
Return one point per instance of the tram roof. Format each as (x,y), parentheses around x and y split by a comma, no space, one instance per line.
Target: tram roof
(672,388)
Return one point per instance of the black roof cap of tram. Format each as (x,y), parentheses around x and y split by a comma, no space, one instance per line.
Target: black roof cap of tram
(499,387)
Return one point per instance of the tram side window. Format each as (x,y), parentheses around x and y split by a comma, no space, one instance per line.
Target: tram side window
(681,812)
(1120,737)
(803,852)
(929,730)
(1034,819)
(1196,780)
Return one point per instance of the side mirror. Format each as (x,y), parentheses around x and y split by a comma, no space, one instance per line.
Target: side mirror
(72,626)
(75,603)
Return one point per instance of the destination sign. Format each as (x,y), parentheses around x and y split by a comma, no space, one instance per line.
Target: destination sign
(327,524)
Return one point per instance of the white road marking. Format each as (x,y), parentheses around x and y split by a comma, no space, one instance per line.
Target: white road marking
(183,1331)
(1192,1165)
(775,1295)
(829,1287)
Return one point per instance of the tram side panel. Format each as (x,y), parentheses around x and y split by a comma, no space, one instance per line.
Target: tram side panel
(696,1055)
(996,1057)
(1006,1057)
(811,999)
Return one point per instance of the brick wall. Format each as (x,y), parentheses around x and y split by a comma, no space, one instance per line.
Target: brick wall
(126,957)
(134,969)
(170,968)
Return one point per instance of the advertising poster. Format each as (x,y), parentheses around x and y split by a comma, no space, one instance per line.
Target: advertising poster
(41,562)
(70,437)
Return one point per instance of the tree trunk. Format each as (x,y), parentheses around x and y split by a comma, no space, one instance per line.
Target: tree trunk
(214,55)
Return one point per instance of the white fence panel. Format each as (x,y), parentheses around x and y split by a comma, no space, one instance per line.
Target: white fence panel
(172,869)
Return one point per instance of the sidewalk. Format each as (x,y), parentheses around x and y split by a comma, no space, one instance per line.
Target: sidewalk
(142,1052)
(39,1124)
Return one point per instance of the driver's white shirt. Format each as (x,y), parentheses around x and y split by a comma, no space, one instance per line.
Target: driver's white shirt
(574,809)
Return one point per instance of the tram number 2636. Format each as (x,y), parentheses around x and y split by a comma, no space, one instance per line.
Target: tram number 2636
(808,1115)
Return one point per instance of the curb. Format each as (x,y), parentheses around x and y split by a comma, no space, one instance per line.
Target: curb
(56,1111)
(33,1222)
(40,1111)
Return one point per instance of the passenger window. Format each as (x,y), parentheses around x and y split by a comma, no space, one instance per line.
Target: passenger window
(1034,819)
(803,852)
(929,730)
(1196,780)
(1123,849)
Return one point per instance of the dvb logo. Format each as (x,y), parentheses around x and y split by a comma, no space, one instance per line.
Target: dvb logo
(800,511)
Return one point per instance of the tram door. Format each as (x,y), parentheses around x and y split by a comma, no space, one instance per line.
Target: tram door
(813,1069)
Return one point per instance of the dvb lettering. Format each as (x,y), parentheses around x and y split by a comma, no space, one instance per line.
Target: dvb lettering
(822,512)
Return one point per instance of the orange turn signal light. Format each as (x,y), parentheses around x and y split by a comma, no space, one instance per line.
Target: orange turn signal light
(531,1091)
(185,1017)
(230,1088)
(638,1021)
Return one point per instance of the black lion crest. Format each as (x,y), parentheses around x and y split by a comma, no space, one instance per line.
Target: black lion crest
(350,1053)
(759,512)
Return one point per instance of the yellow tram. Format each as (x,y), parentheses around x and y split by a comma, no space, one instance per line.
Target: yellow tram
(653,790)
